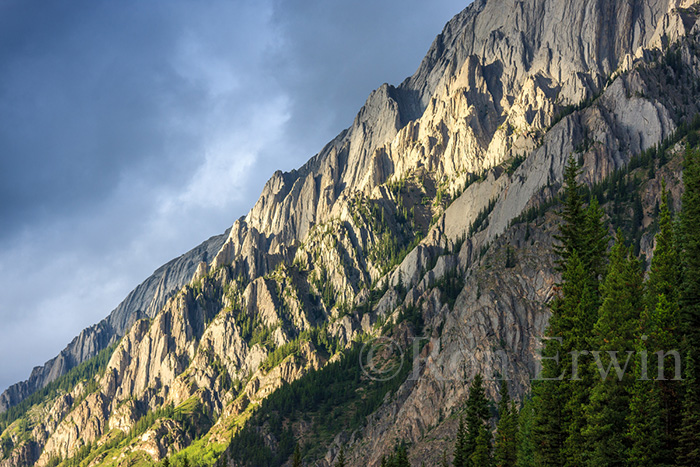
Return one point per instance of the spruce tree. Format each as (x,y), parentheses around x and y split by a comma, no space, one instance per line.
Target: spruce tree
(688,451)
(689,433)
(580,377)
(583,240)
(460,456)
(559,397)
(658,326)
(296,462)
(478,414)
(401,459)
(444,462)
(614,332)
(548,429)
(504,454)
(594,247)
(646,422)
(340,462)
(646,430)
(481,457)
(573,214)
(398,458)
(690,222)
(526,446)
(664,273)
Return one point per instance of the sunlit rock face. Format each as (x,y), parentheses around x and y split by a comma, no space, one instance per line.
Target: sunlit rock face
(369,226)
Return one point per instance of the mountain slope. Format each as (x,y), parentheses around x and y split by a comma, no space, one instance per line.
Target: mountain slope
(144,301)
(399,226)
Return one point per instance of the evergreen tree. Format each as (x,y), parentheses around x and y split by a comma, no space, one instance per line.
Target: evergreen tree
(595,243)
(690,226)
(659,323)
(580,377)
(526,446)
(481,457)
(689,433)
(573,214)
(688,453)
(444,462)
(460,456)
(548,430)
(664,273)
(340,462)
(478,414)
(561,395)
(296,462)
(558,397)
(614,334)
(505,447)
(401,458)
(645,433)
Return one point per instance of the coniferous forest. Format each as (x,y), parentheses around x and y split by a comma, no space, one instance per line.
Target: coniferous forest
(618,383)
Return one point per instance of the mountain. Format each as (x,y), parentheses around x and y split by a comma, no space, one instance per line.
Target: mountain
(431,216)
(142,302)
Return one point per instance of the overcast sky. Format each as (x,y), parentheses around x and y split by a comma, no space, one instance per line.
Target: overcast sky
(131,131)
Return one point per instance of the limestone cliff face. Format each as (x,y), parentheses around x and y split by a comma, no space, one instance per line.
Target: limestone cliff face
(488,89)
(422,187)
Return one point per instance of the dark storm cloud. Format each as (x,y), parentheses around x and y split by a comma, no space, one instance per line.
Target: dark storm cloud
(131,131)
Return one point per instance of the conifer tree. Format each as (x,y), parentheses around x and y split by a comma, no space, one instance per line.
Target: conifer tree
(481,457)
(660,325)
(296,462)
(614,332)
(401,458)
(478,414)
(526,446)
(688,452)
(560,395)
(595,243)
(573,214)
(506,432)
(645,433)
(340,462)
(460,456)
(690,226)
(664,273)
(443,461)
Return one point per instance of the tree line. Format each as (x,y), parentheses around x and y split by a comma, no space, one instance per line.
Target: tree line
(620,356)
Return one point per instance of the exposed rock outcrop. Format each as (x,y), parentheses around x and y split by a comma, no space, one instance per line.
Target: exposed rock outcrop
(144,301)
(422,188)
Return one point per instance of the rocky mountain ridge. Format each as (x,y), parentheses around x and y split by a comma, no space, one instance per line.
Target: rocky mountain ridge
(142,302)
(408,212)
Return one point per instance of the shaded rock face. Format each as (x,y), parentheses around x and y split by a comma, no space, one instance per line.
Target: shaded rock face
(206,330)
(26,454)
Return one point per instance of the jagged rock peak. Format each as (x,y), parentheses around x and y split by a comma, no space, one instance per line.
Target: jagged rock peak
(519,61)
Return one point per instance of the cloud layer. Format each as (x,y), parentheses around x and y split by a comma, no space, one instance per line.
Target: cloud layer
(131,131)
